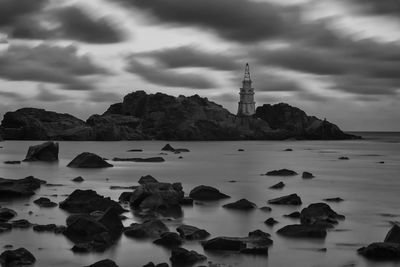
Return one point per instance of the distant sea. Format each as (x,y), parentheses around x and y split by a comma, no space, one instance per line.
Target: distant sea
(369,182)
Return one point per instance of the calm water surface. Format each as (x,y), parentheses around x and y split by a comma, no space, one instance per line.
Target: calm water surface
(371,191)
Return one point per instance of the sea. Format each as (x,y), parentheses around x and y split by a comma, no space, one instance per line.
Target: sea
(369,183)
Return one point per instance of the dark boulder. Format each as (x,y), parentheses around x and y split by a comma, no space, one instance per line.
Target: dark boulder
(168,147)
(279,185)
(319,213)
(18,257)
(307,175)
(157,197)
(292,199)
(57,229)
(44,202)
(281,172)
(104,263)
(381,251)
(334,199)
(393,236)
(189,232)
(147,229)
(125,197)
(184,256)
(22,224)
(294,215)
(151,264)
(344,158)
(19,187)
(224,243)
(242,204)
(88,160)
(302,231)
(204,192)
(87,201)
(169,239)
(47,151)
(7,214)
(271,222)
(266,209)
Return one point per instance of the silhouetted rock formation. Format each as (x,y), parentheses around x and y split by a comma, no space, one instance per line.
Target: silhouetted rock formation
(143,116)
(19,187)
(18,257)
(88,160)
(47,151)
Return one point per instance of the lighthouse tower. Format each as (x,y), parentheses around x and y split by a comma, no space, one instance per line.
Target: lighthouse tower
(247,106)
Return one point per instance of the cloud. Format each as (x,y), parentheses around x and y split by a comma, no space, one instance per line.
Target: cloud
(190,56)
(51,64)
(46,95)
(11,95)
(159,75)
(27,19)
(239,20)
(379,7)
(101,97)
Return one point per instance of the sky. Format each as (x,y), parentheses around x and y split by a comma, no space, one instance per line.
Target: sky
(335,59)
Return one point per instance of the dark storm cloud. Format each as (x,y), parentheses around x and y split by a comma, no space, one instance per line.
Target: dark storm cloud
(79,25)
(46,63)
(275,83)
(239,20)
(189,56)
(34,19)
(159,75)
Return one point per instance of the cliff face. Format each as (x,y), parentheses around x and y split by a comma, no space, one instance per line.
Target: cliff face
(159,116)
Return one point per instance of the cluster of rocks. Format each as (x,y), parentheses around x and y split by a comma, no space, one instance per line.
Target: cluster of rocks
(287,172)
(142,116)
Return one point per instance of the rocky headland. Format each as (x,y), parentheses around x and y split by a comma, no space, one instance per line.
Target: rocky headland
(142,116)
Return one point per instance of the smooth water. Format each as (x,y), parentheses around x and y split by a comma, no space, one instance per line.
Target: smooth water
(371,193)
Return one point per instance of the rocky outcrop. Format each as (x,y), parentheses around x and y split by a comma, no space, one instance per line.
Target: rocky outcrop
(393,236)
(19,187)
(387,250)
(39,124)
(320,214)
(44,152)
(88,160)
(142,116)
(295,123)
(87,201)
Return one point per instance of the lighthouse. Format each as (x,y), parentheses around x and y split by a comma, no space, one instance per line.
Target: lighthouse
(247,106)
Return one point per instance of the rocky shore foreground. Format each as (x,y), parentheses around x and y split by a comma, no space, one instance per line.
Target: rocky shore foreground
(143,116)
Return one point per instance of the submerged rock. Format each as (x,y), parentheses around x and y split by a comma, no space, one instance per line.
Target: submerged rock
(279,185)
(271,222)
(242,204)
(7,214)
(169,239)
(344,158)
(18,257)
(87,201)
(19,187)
(184,256)
(152,159)
(44,202)
(307,175)
(334,199)
(104,263)
(303,231)
(189,232)
(44,152)
(78,179)
(294,215)
(150,228)
(292,199)
(88,160)
(204,192)
(12,162)
(281,172)
(381,251)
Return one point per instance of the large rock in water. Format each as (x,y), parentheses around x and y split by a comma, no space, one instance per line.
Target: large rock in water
(19,187)
(292,199)
(87,201)
(303,231)
(294,123)
(191,232)
(381,251)
(203,192)
(39,124)
(147,229)
(47,151)
(88,160)
(393,236)
(16,258)
(319,213)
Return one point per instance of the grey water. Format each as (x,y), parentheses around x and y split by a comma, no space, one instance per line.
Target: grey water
(370,190)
